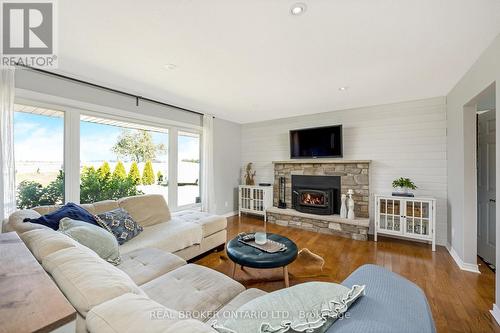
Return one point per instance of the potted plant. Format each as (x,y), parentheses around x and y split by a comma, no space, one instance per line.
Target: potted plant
(403,187)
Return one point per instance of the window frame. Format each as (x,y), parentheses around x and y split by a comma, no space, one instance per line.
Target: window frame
(73,109)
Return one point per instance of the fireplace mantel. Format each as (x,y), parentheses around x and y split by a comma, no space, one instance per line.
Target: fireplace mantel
(322,161)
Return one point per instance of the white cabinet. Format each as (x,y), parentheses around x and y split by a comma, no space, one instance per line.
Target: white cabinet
(413,218)
(255,199)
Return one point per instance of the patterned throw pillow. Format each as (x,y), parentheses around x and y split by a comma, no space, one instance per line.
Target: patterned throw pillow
(119,222)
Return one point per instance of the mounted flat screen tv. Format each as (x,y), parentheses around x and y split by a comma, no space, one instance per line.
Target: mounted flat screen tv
(320,142)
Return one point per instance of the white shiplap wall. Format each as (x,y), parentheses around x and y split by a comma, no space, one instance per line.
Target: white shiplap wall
(403,140)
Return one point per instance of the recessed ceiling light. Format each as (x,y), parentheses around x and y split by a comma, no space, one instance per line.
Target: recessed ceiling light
(343,88)
(298,9)
(170,67)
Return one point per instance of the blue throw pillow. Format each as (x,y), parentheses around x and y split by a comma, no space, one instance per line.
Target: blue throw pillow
(71,210)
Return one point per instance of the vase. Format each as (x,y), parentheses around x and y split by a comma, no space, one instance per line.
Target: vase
(343,207)
(350,205)
(260,238)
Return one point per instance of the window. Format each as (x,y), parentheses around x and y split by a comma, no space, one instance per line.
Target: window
(102,156)
(119,159)
(188,173)
(39,156)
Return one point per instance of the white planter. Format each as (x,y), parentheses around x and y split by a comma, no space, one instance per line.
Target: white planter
(402,190)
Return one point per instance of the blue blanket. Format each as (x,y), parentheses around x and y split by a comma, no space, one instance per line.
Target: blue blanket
(392,304)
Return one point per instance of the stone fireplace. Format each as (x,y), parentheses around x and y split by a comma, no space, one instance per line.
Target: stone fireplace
(312,195)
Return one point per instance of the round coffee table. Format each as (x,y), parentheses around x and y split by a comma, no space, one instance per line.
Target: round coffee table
(248,256)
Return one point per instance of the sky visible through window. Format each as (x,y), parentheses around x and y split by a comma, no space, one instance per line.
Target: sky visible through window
(40,138)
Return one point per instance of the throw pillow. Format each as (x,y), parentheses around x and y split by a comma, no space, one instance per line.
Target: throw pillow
(307,307)
(71,210)
(120,223)
(95,238)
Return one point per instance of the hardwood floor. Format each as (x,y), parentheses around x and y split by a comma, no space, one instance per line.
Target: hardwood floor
(460,301)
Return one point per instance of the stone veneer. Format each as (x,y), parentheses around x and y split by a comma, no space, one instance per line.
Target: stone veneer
(333,224)
(354,175)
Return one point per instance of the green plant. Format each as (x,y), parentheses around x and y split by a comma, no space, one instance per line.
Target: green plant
(28,194)
(134,174)
(148,175)
(404,183)
(31,194)
(159,177)
(120,171)
(104,170)
(93,187)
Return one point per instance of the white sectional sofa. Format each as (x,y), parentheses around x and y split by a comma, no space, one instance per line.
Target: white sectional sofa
(153,279)
(186,233)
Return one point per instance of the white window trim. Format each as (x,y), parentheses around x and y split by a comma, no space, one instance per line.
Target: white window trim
(73,109)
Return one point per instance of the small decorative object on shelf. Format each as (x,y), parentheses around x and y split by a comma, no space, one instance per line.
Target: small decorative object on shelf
(413,218)
(403,187)
(350,205)
(281,192)
(343,207)
(249,175)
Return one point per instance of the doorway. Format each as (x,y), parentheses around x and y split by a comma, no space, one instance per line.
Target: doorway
(486,186)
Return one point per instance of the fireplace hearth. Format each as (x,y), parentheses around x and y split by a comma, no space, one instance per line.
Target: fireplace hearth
(316,194)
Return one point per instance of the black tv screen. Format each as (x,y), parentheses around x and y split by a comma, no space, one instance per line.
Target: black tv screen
(316,142)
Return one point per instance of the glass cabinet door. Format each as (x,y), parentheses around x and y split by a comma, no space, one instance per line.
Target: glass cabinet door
(390,215)
(418,218)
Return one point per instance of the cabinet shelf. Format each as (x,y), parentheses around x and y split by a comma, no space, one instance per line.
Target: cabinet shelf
(255,199)
(412,218)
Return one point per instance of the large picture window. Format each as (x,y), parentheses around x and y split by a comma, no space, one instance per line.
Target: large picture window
(70,154)
(39,156)
(119,159)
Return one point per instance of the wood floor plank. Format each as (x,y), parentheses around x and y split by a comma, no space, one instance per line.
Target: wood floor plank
(460,301)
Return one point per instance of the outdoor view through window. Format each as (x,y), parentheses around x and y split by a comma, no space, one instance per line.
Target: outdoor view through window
(117,159)
(39,156)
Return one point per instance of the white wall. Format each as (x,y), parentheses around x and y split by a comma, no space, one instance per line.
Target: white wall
(404,139)
(461,172)
(227,154)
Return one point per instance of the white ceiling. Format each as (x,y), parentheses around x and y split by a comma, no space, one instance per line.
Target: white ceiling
(248,61)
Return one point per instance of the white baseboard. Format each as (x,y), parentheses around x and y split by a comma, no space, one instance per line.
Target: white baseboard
(495,312)
(233,213)
(474,268)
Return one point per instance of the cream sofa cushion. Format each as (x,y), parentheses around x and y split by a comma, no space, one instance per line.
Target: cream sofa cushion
(44,242)
(169,236)
(98,239)
(193,288)
(144,265)
(228,310)
(209,223)
(147,210)
(105,206)
(15,221)
(87,280)
(131,313)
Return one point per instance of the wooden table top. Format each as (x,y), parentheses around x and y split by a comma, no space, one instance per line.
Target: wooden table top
(29,300)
